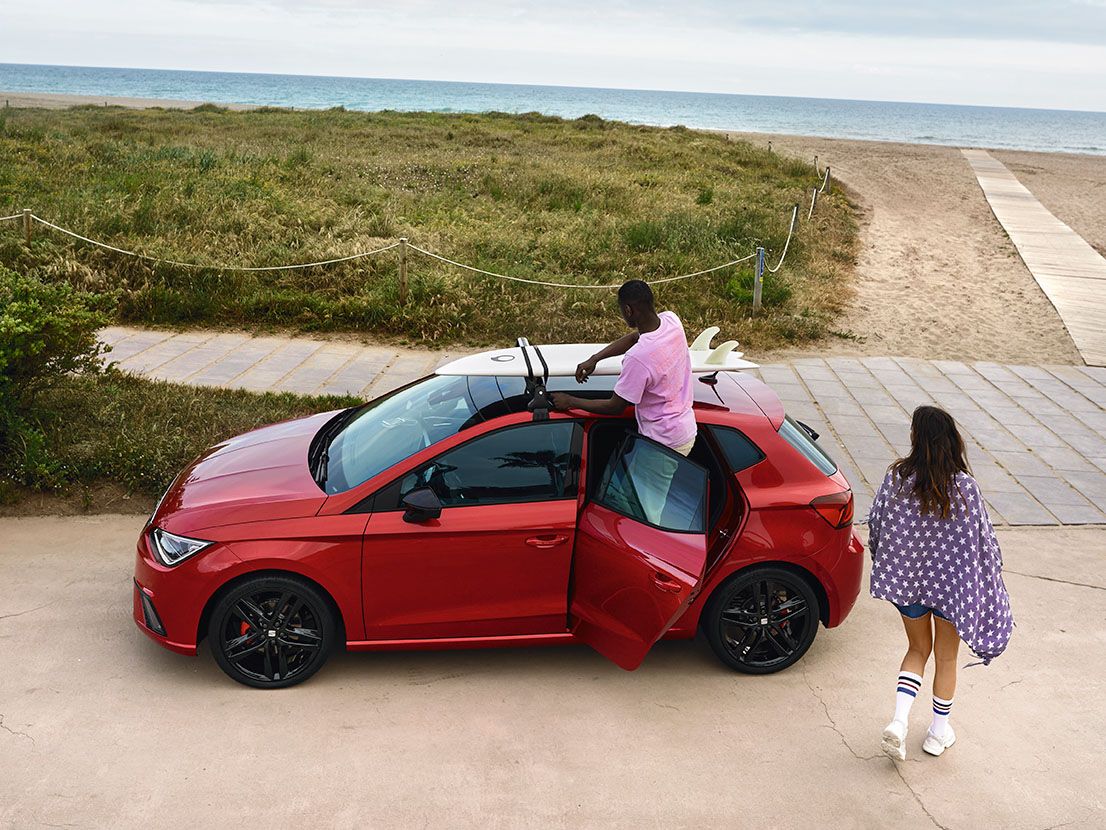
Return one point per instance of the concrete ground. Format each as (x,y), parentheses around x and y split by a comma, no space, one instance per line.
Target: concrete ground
(99,727)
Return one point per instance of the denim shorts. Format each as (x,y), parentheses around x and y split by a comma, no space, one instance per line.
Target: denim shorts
(918,610)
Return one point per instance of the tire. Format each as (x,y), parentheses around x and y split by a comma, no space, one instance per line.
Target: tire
(750,641)
(258,645)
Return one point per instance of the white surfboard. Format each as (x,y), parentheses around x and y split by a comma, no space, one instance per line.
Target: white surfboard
(563,358)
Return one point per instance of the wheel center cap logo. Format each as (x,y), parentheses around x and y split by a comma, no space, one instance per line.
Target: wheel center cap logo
(272,633)
(764,621)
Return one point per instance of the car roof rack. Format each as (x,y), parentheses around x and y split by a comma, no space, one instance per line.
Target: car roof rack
(535,385)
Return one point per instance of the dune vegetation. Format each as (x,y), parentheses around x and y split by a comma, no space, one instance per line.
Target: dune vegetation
(577,201)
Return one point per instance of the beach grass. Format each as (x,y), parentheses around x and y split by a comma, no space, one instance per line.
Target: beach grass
(577,201)
(136,433)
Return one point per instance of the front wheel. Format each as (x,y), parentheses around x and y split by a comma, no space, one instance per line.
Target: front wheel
(762,620)
(270,632)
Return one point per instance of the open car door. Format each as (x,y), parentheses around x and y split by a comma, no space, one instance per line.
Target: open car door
(641,550)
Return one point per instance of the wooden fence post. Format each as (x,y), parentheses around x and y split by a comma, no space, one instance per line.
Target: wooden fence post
(758,279)
(27,225)
(829,181)
(403,270)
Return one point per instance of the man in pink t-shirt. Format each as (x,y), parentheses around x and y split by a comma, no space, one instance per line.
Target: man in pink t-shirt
(655,377)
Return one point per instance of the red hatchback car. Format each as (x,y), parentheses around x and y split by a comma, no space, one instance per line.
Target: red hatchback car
(447,514)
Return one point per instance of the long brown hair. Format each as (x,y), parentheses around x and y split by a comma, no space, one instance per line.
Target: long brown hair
(936,456)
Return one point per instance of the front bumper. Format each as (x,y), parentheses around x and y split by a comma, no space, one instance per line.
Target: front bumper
(176,595)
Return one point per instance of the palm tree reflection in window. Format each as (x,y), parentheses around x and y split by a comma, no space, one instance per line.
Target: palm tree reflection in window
(555,464)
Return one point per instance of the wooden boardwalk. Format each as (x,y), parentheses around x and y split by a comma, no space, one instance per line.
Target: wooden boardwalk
(1070,272)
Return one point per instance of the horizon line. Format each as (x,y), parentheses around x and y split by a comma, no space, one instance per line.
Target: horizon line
(549,86)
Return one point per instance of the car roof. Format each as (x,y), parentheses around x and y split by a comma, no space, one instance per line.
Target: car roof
(736,392)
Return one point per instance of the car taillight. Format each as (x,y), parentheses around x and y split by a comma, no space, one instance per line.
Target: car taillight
(836,508)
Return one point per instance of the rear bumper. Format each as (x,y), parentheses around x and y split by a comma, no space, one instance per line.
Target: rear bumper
(845,578)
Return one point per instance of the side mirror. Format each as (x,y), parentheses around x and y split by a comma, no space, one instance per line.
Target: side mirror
(421,505)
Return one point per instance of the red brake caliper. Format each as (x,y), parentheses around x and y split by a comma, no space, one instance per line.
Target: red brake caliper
(245,628)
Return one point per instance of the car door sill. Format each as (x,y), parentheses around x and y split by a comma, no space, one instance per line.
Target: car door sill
(558,638)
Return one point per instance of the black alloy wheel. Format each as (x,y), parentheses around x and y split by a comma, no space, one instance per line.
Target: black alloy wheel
(271,632)
(762,621)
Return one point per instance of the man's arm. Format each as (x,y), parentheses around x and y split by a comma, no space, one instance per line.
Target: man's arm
(614,405)
(619,346)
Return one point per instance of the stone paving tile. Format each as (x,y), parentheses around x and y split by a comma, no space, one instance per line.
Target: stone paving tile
(1035,434)
(136,343)
(1063,458)
(997,439)
(857,425)
(313,373)
(1020,508)
(113,334)
(1078,514)
(827,389)
(359,374)
(1052,491)
(1091,484)
(858,380)
(1010,414)
(1020,464)
(147,360)
(239,360)
(182,367)
(809,372)
(267,373)
(791,392)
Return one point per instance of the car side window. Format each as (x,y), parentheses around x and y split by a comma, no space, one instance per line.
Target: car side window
(538,461)
(655,485)
(740,452)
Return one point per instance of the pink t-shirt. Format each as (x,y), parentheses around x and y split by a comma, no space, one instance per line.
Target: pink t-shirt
(656,378)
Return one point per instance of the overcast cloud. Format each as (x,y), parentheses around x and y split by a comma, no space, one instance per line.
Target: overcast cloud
(1015,53)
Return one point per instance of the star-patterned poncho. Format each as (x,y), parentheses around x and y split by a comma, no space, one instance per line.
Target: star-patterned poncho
(951,565)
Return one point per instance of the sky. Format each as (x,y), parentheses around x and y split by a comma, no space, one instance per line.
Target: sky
(1050,53)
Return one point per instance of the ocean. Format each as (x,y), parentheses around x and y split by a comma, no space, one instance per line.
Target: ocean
(961,126)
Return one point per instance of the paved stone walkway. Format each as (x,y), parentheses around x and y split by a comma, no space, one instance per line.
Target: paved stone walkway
(1036,434)
(1070,272)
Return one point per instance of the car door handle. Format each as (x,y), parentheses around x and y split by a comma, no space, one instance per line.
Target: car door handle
(666,583)
(546,541)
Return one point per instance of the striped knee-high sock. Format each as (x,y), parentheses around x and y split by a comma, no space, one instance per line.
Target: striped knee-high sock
(909,686)
(941,710)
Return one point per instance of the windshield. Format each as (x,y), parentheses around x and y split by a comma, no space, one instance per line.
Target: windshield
(390,429)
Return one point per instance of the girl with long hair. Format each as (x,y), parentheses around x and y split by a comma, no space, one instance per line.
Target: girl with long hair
(936,558)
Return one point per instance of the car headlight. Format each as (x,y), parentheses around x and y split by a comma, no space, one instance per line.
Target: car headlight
(172,549)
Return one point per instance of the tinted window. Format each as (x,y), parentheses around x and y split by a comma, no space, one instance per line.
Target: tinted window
(655,485)
(392,428)
(800,439)
(533,462)
(740,452)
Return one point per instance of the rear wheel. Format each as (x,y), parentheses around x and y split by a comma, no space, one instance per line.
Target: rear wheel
(270,632)
(762,620)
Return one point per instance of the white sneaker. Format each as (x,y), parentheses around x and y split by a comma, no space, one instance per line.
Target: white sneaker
(893,743)
(935,744)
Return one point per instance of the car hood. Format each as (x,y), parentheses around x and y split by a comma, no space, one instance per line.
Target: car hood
(257,476)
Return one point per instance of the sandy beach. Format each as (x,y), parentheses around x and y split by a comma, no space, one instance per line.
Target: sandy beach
(57,101)
(937,276)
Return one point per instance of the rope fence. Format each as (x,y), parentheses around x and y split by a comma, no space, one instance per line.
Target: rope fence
(404,246)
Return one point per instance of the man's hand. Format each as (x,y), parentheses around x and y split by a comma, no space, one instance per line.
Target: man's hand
(584,370)
(561,401)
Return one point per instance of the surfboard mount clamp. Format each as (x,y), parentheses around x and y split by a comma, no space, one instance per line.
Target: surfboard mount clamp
(535,384)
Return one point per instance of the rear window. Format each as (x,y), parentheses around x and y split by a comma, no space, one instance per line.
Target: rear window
(740,452)
(796,435)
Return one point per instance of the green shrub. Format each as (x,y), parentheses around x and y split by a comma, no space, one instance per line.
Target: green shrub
(47,331)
